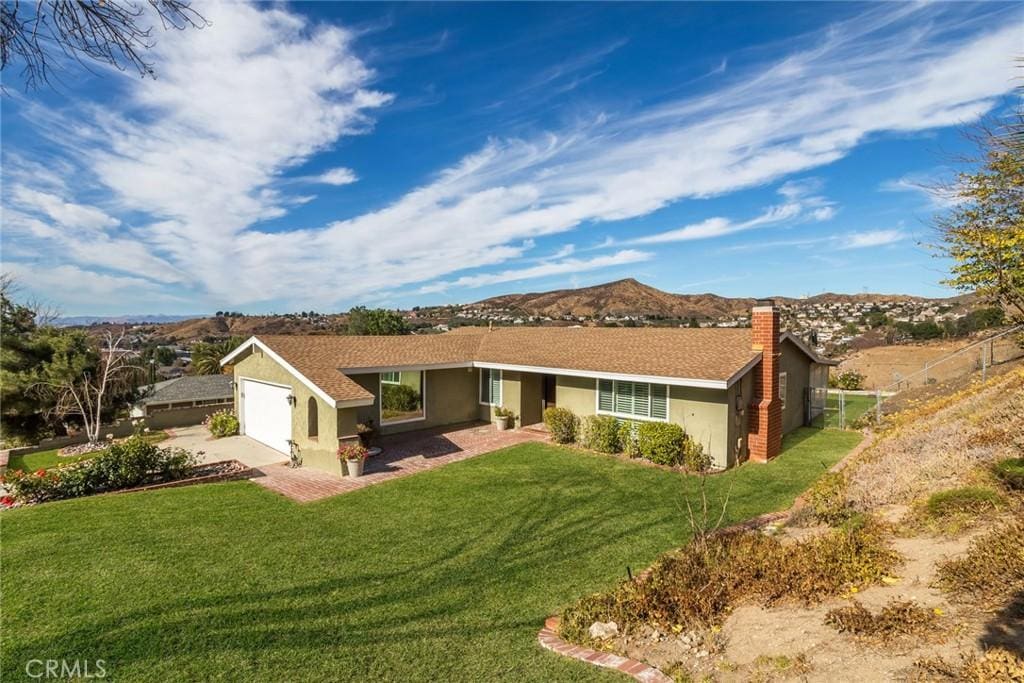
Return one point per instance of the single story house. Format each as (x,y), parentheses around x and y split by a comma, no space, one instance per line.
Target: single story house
(183,401)
(736,391)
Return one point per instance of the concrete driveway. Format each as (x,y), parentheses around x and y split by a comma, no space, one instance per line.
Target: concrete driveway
(241,448)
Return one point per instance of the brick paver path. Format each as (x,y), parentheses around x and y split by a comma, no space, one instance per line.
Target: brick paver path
(402,455)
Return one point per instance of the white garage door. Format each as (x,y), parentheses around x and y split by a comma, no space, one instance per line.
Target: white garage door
(266,414)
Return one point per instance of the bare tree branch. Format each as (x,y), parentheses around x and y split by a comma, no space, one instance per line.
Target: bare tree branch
(113,32)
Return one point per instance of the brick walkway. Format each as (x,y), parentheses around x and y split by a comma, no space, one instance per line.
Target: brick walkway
(403,454)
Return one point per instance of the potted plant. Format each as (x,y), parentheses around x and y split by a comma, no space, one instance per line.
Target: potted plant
(365,431)
(354,455)
(503,418)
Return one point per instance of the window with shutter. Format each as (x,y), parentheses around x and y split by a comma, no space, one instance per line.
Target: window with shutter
(632,399)
(490,387)
(605,399)
(659,401)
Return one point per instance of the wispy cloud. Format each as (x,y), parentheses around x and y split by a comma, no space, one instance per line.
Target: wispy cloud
(337,176)
(802,204)
(562,267)
(192,163)
(933,186)
(871,238)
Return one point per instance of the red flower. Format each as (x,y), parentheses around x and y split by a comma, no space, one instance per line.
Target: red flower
(7,501)
(40,473)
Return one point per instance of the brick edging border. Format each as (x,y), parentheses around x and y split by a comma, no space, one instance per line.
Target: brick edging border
(548,636)
(549,640)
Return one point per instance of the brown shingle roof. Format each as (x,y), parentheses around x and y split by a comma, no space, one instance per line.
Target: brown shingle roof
(698,354)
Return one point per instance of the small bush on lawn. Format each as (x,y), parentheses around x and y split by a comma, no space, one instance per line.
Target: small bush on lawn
(126,464)
(970,500)
(562,424)
(1011,472)
(827,498)
(991,571)
(895,619)
(628,439)
(697,585)
(661,442)
(222,423)
(694,457)
(600,433)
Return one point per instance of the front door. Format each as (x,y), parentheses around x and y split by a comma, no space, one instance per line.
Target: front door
(549,391)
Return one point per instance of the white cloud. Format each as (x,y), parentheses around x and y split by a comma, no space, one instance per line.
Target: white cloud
(337,176)
(572,265)
(939,193)
(62,212)
(201,150)
(871,238)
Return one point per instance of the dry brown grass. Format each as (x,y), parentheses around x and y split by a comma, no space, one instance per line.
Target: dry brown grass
(898,618)
(991,571)
(997,664)
(698,585)
(939,444)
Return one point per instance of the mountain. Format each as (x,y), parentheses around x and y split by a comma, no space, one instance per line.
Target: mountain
(140,319)
(630,297)
(222,327)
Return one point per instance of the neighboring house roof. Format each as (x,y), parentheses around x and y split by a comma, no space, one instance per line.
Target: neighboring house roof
(705,357)
(189,388)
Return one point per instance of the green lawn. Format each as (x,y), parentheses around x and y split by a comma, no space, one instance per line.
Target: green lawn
(44,460)
(856,405)
(445,575)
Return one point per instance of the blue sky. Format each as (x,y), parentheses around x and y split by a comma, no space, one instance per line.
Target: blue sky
(322,155)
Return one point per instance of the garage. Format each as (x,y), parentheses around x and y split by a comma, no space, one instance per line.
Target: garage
(267,413)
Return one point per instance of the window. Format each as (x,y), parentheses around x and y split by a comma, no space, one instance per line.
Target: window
(632,399)
(401,397)
(782,389)
(490,387)
(313,422)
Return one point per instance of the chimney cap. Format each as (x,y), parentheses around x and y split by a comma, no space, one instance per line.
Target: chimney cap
(760,303)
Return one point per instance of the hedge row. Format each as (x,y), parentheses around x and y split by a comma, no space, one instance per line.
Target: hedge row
(660,442)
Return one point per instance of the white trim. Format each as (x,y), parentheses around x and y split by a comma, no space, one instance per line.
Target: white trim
(480,388)
(390,381)
(423,402)
(628,416)
(254,341)
(404,368)
(744,370)
(650,379)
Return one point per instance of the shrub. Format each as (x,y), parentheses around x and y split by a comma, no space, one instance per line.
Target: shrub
(628,438)
(827,499)
(991,571)
(222,423)
(600,433)
(399,398)
(850,380)
(694,457)
(968,500)
(125,464)
(896,618)
(997,664)
(698,585)
(1011,472)
(562,424)
(661,442)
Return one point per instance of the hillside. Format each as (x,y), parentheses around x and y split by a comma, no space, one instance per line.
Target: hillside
(630,297)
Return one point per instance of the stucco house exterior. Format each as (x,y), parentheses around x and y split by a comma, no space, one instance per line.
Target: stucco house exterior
(736,391)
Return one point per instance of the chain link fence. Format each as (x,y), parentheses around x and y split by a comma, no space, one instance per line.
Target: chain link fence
(828,408)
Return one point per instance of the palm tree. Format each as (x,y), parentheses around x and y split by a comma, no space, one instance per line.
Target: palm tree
(206,357)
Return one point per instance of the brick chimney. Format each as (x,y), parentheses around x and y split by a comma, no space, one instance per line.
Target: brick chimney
(765,438)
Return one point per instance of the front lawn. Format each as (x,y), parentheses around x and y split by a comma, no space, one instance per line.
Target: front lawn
(44,460)
(445,575)
(855,405)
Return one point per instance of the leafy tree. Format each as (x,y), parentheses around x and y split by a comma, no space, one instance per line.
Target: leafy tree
(850,380)
(983,233)
(206,356)
(25,350)
(362,320)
